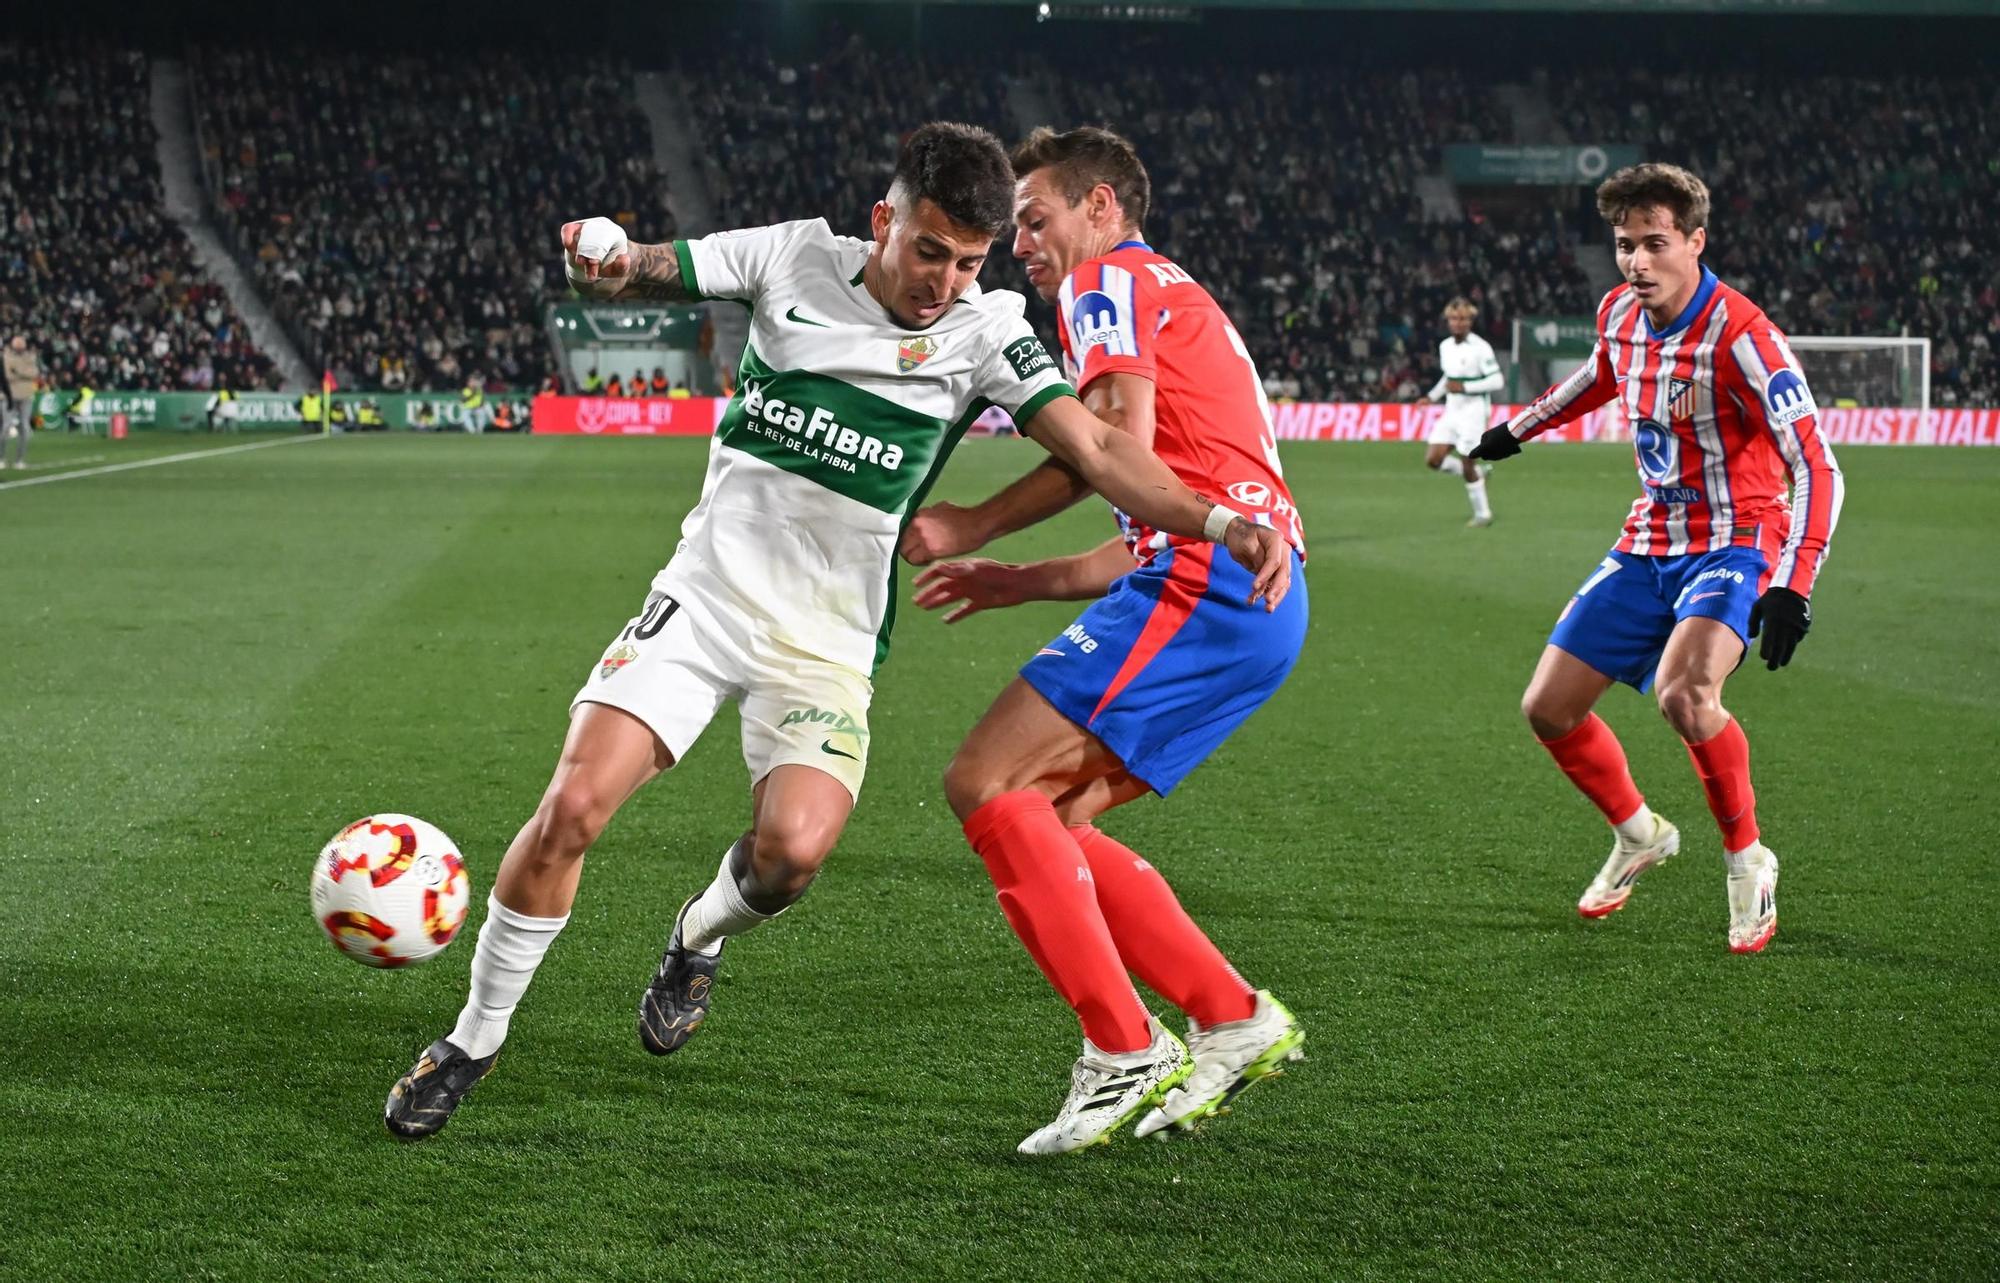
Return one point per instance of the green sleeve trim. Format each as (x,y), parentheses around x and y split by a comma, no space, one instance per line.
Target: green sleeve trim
(688,280)
(1033,405)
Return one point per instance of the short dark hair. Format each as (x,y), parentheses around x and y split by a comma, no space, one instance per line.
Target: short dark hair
(1083,158)
(963,170)
(1654,186)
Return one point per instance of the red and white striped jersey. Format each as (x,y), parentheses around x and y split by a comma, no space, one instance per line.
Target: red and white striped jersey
(1135,311)
(1722,421)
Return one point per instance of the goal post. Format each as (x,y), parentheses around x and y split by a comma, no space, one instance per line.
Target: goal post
(1866,370)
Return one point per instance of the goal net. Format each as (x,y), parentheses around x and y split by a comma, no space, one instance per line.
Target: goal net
(1858,370)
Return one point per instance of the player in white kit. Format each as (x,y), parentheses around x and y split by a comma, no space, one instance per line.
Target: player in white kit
(867,361)
(1471,375)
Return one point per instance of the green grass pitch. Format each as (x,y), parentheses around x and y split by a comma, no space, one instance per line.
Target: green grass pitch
(207,667)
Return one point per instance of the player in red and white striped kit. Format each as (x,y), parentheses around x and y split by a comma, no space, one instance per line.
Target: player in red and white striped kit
(1714,552)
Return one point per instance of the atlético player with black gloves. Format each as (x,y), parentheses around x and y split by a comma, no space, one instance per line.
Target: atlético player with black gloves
(1715,551)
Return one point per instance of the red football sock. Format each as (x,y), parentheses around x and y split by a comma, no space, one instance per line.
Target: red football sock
(1156,937)
(1046,893)
(1594,760)
(1723,763)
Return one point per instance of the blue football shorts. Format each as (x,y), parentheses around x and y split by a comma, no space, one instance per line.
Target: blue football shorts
(1619,620)
(1172,660)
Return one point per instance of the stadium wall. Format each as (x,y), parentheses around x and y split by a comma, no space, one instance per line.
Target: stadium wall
(182,411)
(1407,421)
(697,416)
(1298,421)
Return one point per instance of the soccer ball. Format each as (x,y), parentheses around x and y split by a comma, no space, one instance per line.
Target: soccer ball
(390,890)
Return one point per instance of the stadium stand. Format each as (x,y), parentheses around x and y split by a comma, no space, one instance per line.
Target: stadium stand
(1275,199)
(760,115)
(1292,197)
(396,210)
(1844,205)
(92,271)
(399,209)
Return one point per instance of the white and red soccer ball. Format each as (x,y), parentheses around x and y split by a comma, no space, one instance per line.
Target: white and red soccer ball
(390,890)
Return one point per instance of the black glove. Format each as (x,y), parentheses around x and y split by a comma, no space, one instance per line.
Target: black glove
(1784,617)
(1497,443)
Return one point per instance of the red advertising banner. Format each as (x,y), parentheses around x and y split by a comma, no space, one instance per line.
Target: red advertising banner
(1413,420)
(613,416)
(1842,425)
(1856,426)
(1299,421)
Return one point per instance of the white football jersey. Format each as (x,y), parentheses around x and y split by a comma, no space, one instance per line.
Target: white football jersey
(841,421)
(1470,359)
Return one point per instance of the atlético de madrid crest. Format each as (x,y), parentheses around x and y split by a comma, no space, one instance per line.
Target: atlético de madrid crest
(1680,399)
(911,353)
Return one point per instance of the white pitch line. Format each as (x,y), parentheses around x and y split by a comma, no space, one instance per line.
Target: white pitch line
(154,463)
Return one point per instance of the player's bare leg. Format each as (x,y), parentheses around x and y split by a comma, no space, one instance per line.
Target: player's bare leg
(1439,457)
(606,756)
(1699,657)
(1083,803)
(1559,704)
(797,814)
(1023,743)
(1561,694)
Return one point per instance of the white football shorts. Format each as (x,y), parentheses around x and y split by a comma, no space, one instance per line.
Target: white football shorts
(694,644)
(1460,429)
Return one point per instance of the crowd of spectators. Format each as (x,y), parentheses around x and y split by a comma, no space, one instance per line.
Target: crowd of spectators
(399,208)
(788,139)
(396,209)
(1293,197)
(1843,204)
(93,273)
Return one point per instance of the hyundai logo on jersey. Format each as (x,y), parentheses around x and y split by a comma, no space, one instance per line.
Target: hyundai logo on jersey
(1789,397)
(1657,449)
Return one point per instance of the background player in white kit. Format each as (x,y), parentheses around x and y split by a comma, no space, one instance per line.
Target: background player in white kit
(1470,376)
(867,361)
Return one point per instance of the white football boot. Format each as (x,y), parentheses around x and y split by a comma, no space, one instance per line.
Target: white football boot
(1228,1059)
(1104,1095)
(1612,886)
(1753,901)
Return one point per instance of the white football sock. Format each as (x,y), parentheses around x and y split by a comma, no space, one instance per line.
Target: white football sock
(1476,491)
(1453,468)
(721,911)
(1635,828)
(1741,862)
(510,947)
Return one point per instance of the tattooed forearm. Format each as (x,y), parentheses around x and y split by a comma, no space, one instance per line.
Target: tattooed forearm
(656,274)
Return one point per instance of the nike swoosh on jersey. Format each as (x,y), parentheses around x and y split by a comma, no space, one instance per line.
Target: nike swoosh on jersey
(1047,650)
(1704,597)
(793,315)
(826,746)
